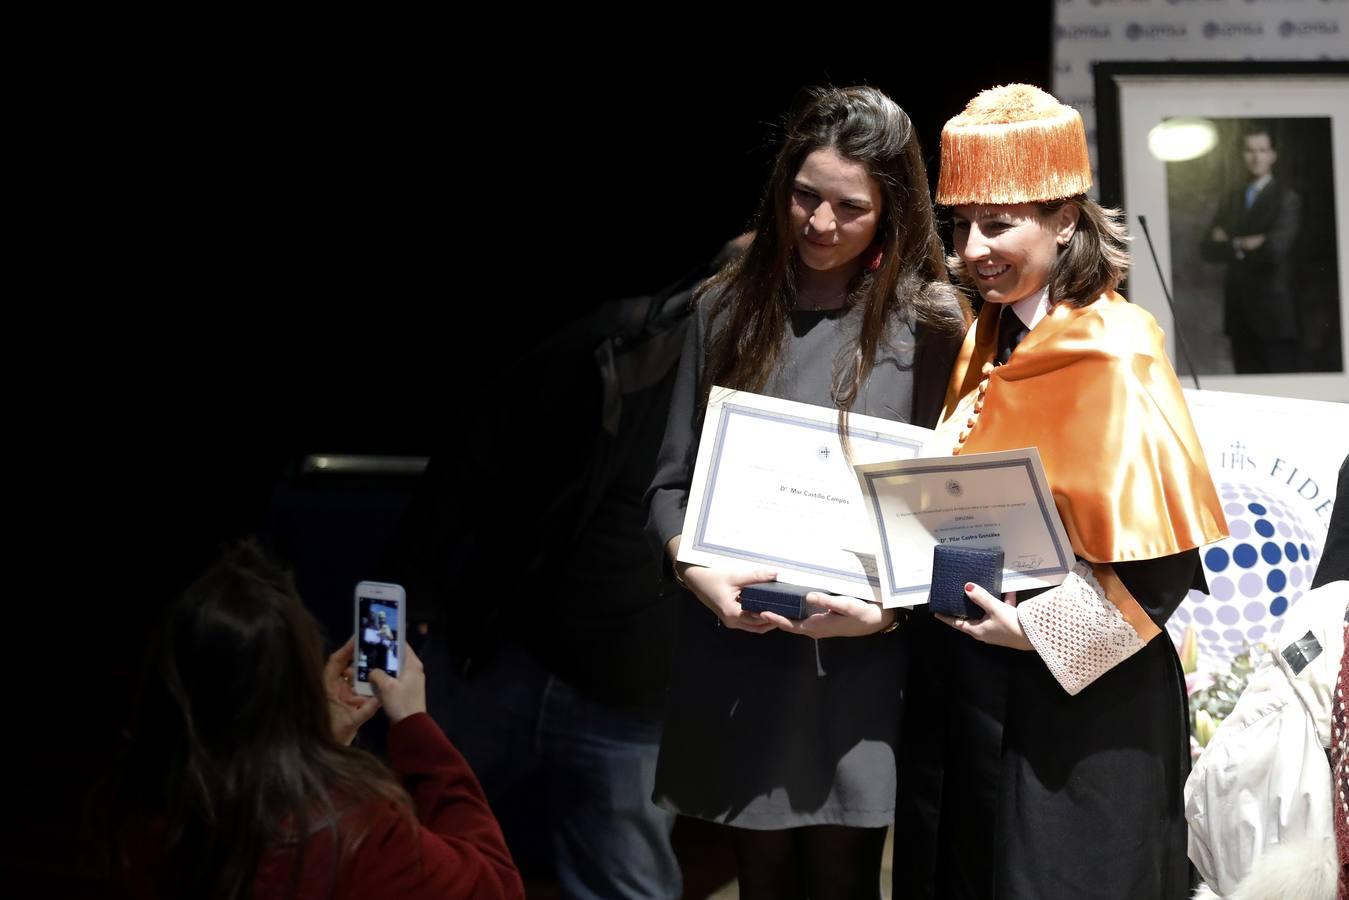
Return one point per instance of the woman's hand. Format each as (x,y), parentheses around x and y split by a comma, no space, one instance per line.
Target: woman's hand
(349,710)
(719,591)
(836,617)
(405,695)
(999,625)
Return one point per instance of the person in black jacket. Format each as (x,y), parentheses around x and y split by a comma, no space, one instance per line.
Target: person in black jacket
(525,549)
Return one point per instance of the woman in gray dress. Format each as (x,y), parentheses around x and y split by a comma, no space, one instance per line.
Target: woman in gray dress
(840,300)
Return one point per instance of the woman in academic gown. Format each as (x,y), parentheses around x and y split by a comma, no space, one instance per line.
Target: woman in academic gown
(1045,744)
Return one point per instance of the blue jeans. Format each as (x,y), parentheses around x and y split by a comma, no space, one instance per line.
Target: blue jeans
(569,779)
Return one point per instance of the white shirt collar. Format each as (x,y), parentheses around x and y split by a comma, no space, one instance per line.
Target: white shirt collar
(1259,183)
(1031,309)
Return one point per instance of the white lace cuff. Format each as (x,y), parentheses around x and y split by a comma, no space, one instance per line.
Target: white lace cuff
(1077,631)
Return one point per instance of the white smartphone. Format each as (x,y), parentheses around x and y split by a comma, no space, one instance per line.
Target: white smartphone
(381,632)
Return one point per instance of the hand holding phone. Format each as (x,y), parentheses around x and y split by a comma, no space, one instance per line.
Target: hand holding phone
(381,635)
(347,710)
(405,695)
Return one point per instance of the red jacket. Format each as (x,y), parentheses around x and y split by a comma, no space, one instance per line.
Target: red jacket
(453,850)
(456,850)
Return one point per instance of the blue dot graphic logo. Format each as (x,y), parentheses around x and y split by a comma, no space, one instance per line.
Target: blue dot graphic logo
(1254,576)
(1215,559)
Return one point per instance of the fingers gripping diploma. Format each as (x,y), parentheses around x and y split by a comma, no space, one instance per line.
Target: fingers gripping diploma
(999,626)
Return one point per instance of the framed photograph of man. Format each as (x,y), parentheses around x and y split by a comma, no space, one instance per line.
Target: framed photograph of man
(1237,176)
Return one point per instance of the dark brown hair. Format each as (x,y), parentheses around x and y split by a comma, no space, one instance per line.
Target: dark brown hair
(757,293)
(232,753)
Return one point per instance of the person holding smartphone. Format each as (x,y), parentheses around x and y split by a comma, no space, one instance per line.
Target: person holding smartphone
(239,781)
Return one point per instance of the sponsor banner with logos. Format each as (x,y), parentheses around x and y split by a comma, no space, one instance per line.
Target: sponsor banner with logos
(1091,31)
(1275,463)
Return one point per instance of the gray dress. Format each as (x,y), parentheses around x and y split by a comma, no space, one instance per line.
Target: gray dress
(775,730)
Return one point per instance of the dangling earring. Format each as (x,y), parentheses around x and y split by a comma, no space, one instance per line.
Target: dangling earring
(871,258)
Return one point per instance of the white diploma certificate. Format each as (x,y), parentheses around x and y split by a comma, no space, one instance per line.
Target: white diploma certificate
(994,501)
(772,487)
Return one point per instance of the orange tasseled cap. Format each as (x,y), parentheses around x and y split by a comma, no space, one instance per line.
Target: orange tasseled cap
(1013,144)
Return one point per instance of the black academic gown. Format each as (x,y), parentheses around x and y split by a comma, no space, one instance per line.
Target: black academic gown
(1011,788)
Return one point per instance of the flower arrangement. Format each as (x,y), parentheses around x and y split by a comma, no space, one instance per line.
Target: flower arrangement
(1212,694)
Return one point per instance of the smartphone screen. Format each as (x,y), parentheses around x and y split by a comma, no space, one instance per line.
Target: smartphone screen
(378,621)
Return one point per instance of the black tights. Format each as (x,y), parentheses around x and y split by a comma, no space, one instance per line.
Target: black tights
(819,862)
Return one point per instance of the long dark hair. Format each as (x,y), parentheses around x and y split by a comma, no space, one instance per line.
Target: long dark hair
(232,752)
(757,293)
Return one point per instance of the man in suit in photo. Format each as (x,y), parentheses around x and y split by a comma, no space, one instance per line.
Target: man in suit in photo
(1254,233)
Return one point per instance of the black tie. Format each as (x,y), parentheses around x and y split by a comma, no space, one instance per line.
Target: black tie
(1010,332)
